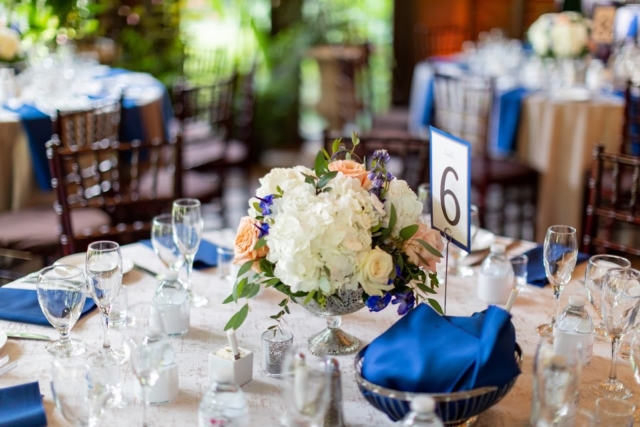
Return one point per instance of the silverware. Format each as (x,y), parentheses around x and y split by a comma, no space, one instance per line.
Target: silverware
(4,361)
(146,271)
(8,367)
(25,336)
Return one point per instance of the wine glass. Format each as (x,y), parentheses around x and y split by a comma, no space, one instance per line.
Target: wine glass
(597,268)
(163,242)
(560,256)
(145,343)
(77,391)
(620,305)
(187,232)
(458,254)
(61,293)
(307,387)
(104,270)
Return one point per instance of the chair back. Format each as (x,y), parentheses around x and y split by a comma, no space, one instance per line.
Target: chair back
(245,110)
(205,66)
(123,179)
(612,210)
(80,128)
(437,40)
(631,128)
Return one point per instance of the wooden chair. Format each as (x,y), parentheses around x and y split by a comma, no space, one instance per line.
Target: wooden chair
(80,128)
(611,212)
(205,66)
(463,108)
(438,40)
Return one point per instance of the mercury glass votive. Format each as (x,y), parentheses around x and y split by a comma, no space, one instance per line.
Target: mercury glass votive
(275,346)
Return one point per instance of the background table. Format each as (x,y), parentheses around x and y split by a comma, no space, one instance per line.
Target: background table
(266,402)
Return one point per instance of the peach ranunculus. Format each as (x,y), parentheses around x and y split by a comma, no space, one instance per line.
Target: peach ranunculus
(351,169)
(246,239)
(413,248)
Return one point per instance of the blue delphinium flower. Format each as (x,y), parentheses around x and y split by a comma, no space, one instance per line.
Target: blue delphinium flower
(376,303)
(265,204)
(264,230)
(406,300)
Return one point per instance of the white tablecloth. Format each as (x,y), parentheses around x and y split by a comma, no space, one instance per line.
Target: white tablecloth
(264,393)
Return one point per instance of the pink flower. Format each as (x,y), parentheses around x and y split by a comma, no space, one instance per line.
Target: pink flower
(418,254)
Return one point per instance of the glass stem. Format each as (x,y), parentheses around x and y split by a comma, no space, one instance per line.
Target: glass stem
(106,344)
(615,346)
(64,338)
(556,293)
(189,264)
(334,322)
(145,405)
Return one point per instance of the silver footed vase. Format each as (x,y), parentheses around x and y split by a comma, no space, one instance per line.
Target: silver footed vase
(333,340)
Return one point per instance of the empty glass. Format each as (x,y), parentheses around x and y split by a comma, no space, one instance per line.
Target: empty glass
(118,313)
(458,254)
(560,255)
(164,245)
(597,268)
(187,233)
(519,264)
(584,418)
(424,197)
(104,271)
(61,293)
(620,305)
(225,260)
(614,412)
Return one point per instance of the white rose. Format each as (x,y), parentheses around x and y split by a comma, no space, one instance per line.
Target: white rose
(373,271)
(9,43)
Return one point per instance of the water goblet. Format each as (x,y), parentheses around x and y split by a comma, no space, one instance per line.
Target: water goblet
(457,254)
(560,255)
(187,233)
(597,268)
(61,294)
(104,271)
(620,306)
(164,245)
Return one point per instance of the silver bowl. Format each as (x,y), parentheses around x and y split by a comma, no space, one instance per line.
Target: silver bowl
(453,408)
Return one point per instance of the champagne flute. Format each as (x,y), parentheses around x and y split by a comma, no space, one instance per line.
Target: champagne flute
(163,242)
(145,344)
(187,233)
(458,254)
(61,293)
(597,268)
(620,306)
(560,255)
(104,268)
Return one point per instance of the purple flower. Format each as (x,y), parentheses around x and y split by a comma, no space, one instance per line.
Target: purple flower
(372,175)
(377,183)
(264,230)
(390,176)
(376,303)
(406,300)
(265,204)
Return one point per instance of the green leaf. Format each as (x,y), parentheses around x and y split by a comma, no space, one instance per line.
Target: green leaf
(326,270)
(261,243)
(326,155)
(309,297)
(393,216)
(424,288)
(271,282)
(348,156)
(256,206)
(354,138)
(408,232)
(228,299)
(336,145)
(435,304)
(272,327)
(326,189)
(286,308)
(310,181)
(279,190)
(245,267)
(237,319)
(238,287)
(430,248)
(251,290)
(321,164)
(326,178)
(283,302)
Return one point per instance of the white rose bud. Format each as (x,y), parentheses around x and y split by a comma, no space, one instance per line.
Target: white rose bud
(373,271)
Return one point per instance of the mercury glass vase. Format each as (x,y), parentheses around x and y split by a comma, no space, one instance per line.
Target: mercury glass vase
(333,340)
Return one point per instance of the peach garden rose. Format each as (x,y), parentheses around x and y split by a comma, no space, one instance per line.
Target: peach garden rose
(351,169)
(246,239)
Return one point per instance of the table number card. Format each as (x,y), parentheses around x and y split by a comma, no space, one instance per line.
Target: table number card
(602,30)
(451,186)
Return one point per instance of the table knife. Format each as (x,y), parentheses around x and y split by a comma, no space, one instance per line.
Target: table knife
(147,271)
(25,336)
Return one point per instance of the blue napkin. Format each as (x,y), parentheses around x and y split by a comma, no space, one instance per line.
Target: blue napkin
(21,305)
(206,257)
(21,406)
(632,31)
(535,267)
(508,108)
(429,353)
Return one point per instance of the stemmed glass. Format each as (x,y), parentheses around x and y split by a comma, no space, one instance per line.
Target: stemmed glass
(424,197)
(145,342)
(560,256)
(104,271)
(634,358)
(164,245)
(620,305)
(61,293)
(594,277)
(187,233)
(457,254)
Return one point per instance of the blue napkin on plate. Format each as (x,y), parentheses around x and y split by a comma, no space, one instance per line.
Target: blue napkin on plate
(21,305)
(429,353)
(21,406)
(206,257)
(535,267)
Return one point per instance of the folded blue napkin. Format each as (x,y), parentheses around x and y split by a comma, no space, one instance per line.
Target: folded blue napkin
(429,353)
(21,406)
(536,274)
(21,305)
(206,257)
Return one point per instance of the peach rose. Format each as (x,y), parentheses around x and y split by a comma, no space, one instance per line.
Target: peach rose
(412,248)
(351,169)
(246,239)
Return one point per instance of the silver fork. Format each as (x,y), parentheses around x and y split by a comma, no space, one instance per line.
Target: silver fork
(3,361)
(8,367)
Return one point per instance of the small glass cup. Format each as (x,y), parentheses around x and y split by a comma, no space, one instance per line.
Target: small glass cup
(118,313)
(424,197)
(584,418)
(225,260)
(276,344)
(519,264)
(614,412)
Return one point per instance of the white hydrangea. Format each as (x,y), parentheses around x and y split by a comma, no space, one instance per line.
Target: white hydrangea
(285,178)
(408,208)
(9,44)
(562,35)
(312,234)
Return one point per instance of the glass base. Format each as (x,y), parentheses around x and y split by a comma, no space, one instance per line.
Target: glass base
(612,388)
(461,271)
(197,300)
(333,341)
(67,348)
(545,331)
(107,356)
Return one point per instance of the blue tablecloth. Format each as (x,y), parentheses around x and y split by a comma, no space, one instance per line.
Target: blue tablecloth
(38,126)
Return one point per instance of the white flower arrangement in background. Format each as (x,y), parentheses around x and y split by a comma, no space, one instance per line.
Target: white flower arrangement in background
(10,48)
(560,35)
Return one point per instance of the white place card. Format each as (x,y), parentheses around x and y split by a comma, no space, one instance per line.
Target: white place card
(451,186)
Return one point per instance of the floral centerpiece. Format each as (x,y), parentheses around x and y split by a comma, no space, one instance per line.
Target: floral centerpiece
(560,35)
(315,234)
(10,48)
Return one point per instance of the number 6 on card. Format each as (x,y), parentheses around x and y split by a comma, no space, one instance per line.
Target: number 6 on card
(451,186)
